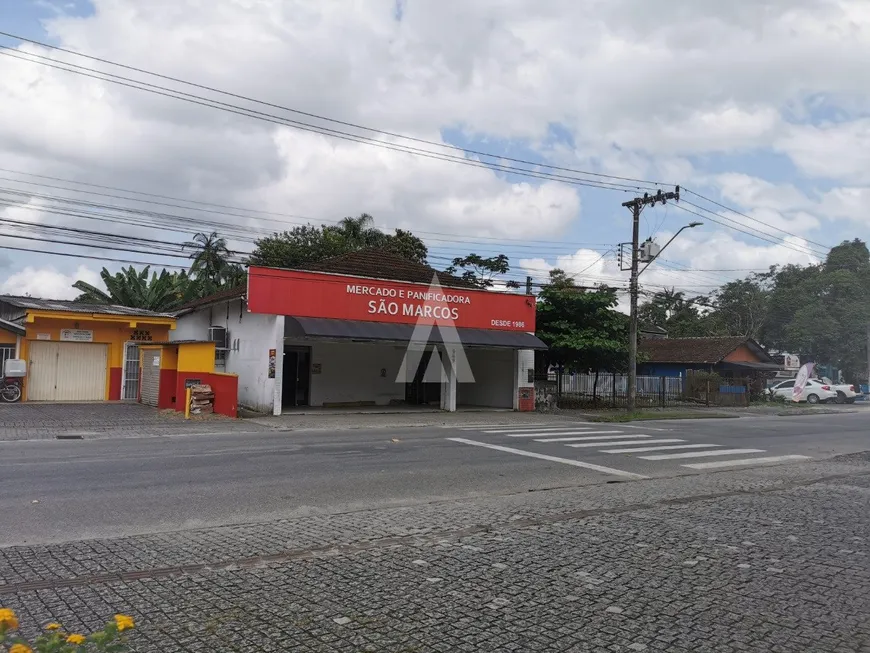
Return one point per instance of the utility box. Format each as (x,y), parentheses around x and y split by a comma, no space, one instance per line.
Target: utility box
(15,368)
(648,251)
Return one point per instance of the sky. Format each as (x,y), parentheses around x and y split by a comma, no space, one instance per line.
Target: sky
(758,109)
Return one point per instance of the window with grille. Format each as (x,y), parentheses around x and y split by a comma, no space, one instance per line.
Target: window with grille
(220,360)
(6,352)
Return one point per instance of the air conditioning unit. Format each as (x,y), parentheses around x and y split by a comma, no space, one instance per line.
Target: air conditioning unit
(218,335)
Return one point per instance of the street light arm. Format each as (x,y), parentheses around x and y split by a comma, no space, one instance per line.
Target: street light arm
(691,225)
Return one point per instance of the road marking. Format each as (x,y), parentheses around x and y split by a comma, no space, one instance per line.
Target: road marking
(629,442)
(745,461)
(538,434)
(672,446)
(594,437)
(507,427)
(539,429)
(554,459)
(701,454)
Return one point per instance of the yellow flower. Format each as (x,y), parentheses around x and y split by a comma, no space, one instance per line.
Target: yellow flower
(8,619)
(20,648)
(53,626)
(123,622)
(75,638)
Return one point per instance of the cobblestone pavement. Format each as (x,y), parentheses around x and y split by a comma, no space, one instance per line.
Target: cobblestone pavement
(768,559)
(38,421)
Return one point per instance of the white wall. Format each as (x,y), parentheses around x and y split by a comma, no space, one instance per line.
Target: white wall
(494,379)
(351,372)
(193,326)
(253,335)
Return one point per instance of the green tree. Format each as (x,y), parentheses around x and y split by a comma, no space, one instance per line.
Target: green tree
(671,310)
(210,260)
(309,244)
(739,308)
(481,272)
(408,246)
(360,232)
(134,288)
(821,312)
(582,329)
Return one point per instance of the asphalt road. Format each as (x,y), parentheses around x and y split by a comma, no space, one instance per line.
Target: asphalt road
(70,490)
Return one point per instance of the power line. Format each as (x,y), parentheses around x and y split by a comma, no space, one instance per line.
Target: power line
(173,93)
(321,117)
(779,243)
(306,220)
(748,217)
(325,131)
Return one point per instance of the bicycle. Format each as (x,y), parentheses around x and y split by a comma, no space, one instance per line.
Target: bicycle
(10,391)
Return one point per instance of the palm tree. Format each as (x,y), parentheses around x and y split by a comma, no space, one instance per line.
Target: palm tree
(134,288)
(210,257)
(360,232)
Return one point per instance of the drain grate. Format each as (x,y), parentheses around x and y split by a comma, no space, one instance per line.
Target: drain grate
(69,436)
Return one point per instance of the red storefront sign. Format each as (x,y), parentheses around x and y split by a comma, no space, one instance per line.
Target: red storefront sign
(336,296)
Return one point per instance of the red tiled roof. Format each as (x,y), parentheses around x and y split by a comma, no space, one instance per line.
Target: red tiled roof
(222,296)
(696,350)
(381,264)
(373,263)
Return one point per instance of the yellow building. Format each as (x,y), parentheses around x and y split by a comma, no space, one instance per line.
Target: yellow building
(80,352)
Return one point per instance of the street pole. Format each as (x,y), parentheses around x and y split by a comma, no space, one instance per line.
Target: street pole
(633,291)
(636,205)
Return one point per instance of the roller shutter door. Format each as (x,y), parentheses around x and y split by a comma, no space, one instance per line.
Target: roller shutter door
(150,377)
(67,371)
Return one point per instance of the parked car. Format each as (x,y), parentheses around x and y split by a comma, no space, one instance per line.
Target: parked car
(813,393)
(846,392)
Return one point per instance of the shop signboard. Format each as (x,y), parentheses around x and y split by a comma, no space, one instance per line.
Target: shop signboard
(343,297)
(77,335)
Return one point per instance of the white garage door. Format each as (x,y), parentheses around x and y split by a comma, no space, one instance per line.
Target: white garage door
(67,371)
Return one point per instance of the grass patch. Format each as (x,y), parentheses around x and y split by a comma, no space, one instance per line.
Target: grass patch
(639,416)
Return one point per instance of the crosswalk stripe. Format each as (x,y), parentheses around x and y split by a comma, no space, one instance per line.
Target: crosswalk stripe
(507,427)
(701,454)
(614,444)
(566,427)
(745,461)
(671,446)
(539,434)
(555,459)
(594,437)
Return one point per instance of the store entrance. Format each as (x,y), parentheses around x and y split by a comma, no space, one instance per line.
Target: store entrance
(296,384)
(425,388)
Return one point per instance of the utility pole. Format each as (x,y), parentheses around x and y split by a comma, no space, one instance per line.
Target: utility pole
(637,205)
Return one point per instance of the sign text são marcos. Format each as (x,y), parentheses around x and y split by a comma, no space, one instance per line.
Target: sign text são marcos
(336,296)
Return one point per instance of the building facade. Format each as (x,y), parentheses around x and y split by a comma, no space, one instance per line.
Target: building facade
(726,356)
(329,337)
(80,352)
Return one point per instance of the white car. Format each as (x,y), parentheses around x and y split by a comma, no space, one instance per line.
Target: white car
(846,392)
(813,393)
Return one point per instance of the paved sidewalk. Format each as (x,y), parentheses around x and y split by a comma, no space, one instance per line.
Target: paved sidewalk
(768,559)
(42,421)
(345,419)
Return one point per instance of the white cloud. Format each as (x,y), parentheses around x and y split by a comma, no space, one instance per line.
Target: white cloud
(834,151)
(696,262)
(636,91)
(48,282)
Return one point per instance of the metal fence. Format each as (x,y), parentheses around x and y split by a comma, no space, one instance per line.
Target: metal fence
(611,390)
(608,390)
